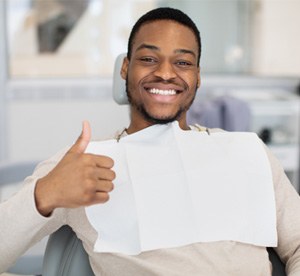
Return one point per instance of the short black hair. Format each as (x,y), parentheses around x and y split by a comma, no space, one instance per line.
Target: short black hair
(165,13)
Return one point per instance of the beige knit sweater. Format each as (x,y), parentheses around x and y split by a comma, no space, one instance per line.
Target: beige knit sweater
(22,226)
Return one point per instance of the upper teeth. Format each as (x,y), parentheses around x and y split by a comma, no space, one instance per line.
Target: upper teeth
(162,92)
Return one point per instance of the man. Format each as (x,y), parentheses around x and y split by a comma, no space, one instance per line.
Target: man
(162,75)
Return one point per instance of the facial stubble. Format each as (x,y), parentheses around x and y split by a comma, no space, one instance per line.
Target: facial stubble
(140,107)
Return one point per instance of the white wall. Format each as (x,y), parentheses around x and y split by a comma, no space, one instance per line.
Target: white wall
(38,129)
(3,79)
(276,38)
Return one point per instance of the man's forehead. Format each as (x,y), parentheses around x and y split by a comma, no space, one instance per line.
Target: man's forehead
(156,25)
(153,32)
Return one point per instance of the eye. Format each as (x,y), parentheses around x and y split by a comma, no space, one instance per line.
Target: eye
(184,63)
(149,60)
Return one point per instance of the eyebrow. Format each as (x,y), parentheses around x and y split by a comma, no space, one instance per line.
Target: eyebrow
(155,48)
(185,51)
(147,46)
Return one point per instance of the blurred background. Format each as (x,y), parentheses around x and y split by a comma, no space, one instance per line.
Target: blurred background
(57,57)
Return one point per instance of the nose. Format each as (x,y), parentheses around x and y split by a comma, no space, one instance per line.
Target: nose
(165,71)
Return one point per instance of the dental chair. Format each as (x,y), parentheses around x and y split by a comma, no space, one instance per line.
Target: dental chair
(11,177)
(65,255)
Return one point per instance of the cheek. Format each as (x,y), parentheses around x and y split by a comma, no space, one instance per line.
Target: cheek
(190,77)
(132,85)
(135,77)
(193,82)
(131,78)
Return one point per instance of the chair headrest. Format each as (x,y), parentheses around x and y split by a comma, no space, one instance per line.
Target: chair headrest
(119,87)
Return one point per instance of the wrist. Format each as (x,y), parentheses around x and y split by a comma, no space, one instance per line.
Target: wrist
(43,201)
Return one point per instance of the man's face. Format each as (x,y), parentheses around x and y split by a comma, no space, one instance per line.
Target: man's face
(162,74)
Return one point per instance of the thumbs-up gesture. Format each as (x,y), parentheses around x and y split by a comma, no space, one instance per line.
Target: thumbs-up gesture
(79,179)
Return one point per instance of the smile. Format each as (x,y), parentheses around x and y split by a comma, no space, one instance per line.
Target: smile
(162,92)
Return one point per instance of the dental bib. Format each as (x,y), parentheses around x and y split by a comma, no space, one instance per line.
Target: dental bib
(176,187)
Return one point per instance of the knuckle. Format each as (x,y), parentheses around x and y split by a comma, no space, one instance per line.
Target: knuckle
(111,162)
(108,162)
(89,186)
(111,186)
(87,158)
(87,172)
(107,186)
(113,175)
(104,197)
(87,198)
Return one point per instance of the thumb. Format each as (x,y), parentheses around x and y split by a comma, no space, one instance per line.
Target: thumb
(83,140)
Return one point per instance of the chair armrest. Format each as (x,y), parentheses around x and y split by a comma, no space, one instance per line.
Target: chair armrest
(65,255)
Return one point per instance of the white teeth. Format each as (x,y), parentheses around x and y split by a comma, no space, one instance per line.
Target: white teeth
(162,92)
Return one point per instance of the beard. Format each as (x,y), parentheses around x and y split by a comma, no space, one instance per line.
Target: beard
(140,107)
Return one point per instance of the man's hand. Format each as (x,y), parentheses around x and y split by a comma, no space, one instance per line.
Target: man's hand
(79,179)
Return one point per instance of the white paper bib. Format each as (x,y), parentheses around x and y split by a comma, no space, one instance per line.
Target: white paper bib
(176,187)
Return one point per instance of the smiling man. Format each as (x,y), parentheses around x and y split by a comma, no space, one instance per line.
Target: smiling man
(162,71)
(162,75)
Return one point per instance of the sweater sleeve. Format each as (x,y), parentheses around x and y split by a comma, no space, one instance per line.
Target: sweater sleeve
(21,224)
(288,218)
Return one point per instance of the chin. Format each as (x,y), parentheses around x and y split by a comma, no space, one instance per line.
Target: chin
(162,119)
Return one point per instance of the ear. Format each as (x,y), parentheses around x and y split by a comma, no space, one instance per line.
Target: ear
(124,68)
(198,78)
